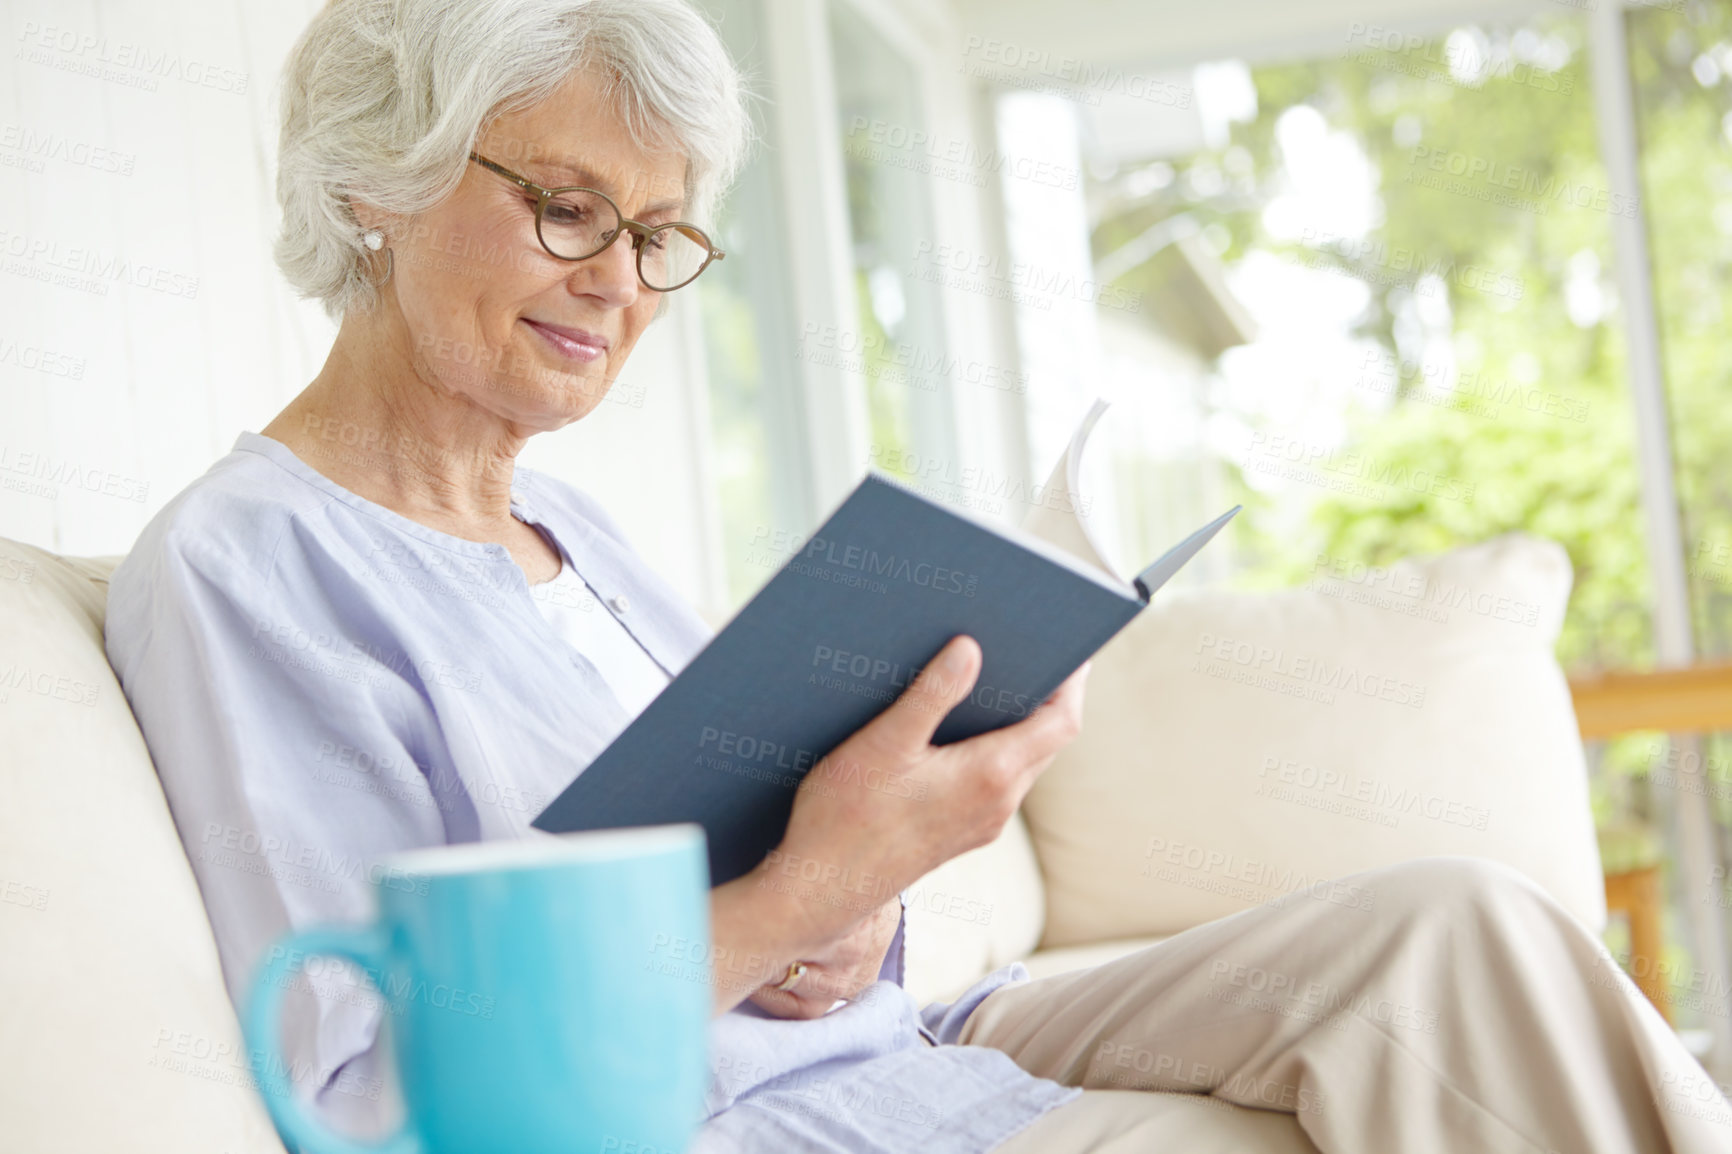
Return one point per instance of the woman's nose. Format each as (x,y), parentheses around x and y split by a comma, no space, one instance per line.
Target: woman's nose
(612,273)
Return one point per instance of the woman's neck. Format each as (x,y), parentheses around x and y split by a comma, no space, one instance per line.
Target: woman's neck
(370,423)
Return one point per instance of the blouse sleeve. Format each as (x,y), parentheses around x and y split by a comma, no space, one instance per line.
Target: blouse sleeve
(292,758)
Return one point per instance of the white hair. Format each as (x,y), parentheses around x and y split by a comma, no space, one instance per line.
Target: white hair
(384,99)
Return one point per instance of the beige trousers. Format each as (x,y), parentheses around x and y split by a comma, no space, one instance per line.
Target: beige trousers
(1443,1005)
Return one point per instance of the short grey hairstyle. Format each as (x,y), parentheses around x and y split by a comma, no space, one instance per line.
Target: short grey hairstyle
(383,100)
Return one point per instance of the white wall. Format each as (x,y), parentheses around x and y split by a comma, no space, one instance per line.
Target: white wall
(143,323)
(173,367)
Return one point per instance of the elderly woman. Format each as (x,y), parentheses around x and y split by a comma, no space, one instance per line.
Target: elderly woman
(366,630)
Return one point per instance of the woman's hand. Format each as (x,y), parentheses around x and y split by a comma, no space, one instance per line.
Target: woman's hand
(887,806)
(840,972)
(876,815)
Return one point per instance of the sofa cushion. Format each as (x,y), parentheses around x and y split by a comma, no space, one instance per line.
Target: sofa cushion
(1238,746)
(119,1034)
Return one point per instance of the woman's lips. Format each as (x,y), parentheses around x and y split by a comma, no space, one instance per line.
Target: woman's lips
(576,344)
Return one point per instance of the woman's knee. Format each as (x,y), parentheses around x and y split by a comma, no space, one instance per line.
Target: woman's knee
(1456,884)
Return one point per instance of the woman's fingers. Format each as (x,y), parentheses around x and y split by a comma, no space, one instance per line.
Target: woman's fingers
(1069,695)
(822,987)
(841,972)
(790,1004)
(1032,742)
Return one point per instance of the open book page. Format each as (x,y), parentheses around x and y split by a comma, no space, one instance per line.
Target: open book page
(1059,520)
(1058,517)
(1064,540)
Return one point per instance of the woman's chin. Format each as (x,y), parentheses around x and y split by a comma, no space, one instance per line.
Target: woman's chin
(554,410)
(548,399)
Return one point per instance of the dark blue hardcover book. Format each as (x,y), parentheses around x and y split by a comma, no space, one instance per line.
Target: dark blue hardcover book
(834,638)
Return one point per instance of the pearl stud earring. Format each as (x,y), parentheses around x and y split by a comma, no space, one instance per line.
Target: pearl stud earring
(373,239)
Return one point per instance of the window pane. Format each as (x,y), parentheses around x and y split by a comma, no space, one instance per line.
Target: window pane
(900,328)
(755,408)
(1422,237)
(1680,56)
(1422,234)
(1680,60)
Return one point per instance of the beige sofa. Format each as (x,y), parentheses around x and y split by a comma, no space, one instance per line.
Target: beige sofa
(1237,746)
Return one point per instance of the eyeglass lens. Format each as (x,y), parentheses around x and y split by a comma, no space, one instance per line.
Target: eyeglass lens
(579,224)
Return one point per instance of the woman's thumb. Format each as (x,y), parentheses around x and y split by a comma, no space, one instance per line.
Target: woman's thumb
(944,683)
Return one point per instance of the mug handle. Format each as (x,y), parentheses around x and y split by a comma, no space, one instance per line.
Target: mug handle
(366,948)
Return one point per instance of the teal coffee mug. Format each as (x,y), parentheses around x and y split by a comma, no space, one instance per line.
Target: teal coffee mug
(539,994)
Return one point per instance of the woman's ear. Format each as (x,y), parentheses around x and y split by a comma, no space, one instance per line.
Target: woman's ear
(368,216)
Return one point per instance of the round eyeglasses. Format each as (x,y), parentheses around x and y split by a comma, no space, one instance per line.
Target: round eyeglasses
(575,223)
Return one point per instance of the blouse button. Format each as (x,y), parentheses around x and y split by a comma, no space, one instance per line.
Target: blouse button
(619,603)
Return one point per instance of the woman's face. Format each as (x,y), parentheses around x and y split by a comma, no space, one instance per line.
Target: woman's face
(489,315)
